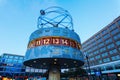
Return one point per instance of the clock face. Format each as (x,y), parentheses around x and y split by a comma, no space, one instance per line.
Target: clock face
(55,17)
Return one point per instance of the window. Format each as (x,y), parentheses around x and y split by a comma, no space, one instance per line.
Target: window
(20,57)
(106,36)
(104,54)
(115,31)
(112,27)
(99,40)
(9,60)
(115,57)
(97,57)
(100,45)
(113,51)
(100,61)
(10,56)
(108,41)
(5,56)
(104,31)
(119,22)
(91,59)
(106,60)
(32,70)
(20,61)
(36,70)
(97,36)
(15,61)
(16,57)
(117,36)
(102,49)
(110,46)
(96,52)
(94,48)
(118,43)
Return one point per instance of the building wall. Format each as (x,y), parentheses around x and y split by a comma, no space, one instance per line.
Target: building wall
(11,65)
(103,48)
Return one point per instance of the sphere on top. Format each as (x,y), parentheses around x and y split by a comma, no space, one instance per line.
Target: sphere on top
(55,17)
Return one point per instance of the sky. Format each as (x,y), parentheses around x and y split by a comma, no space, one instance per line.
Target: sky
(18,19)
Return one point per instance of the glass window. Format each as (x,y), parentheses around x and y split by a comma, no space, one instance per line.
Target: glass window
(102,49)
(100,61)
(20,57)
(106,60)
(106,36)
(100,45)
(97,36)
(97,57)
(27,70)
(118,43)
(99,40)
(32,70)
(9,60)
(119,22)
(113,51)
(117,36)
(95,47)
(110,46)
(91,58)
(10,56)
(112,27)
(96,52)
(116,57)
(16,57)
(36,70)
(15,61)
(108,41)
(115,31)
(104,31)
(20,61)
(5,56)
(104,54)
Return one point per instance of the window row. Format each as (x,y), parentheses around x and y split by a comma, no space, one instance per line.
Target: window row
(14,57)
(106,60)
(117,57)
(12,61)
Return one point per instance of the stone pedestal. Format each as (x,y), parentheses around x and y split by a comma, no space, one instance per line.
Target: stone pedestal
(54,73)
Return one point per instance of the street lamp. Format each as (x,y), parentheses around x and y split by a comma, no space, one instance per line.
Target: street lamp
(87,58)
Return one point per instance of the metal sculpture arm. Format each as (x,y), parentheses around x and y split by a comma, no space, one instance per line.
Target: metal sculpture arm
(60,21)
(47,21)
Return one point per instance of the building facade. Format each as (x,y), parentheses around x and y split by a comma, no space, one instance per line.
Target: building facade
(103,50)
(11,66)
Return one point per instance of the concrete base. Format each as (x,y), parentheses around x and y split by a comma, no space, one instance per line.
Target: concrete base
(54,73)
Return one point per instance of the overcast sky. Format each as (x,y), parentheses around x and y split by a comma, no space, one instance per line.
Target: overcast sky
(18,19)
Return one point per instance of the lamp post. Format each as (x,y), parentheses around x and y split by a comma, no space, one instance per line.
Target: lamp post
(88,66)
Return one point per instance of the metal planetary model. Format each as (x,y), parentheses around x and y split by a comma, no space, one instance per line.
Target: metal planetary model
(54,45)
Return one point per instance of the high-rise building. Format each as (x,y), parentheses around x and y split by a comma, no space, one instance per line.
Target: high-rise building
(103,50)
